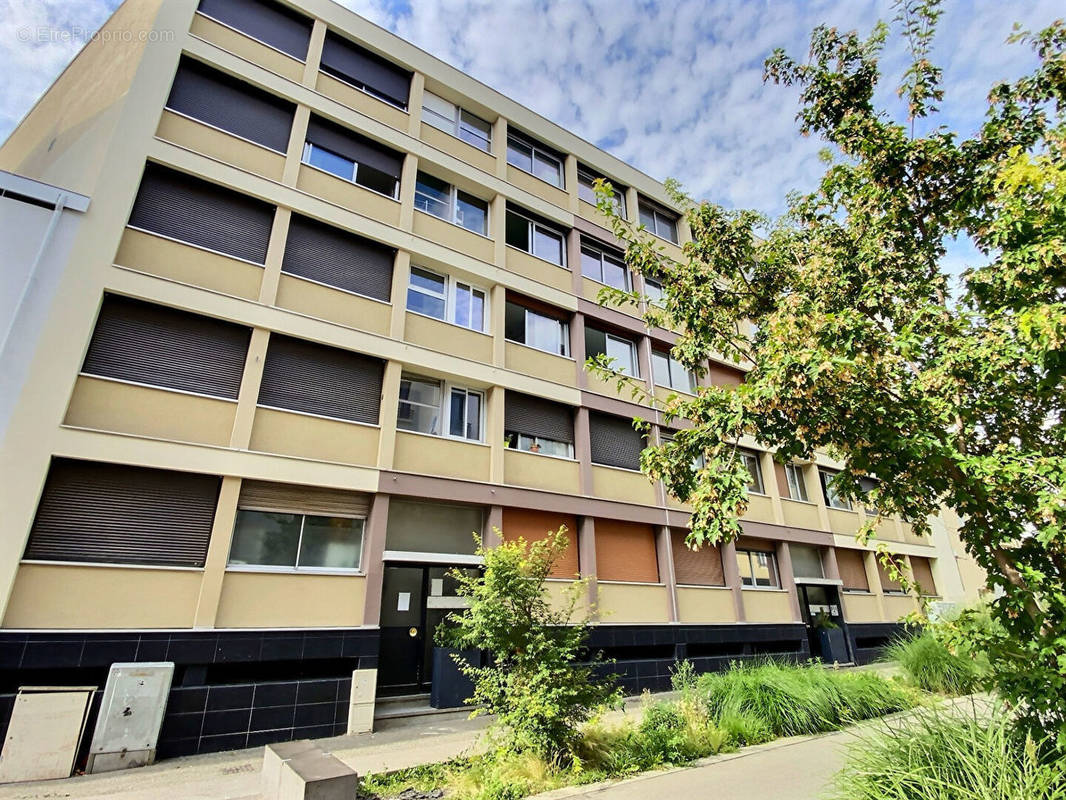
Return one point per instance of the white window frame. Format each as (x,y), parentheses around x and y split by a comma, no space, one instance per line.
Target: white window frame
(531,228)
(453,205)
(626,277)
(633,370)
(657,215)
(306,159)
(829,495)
(564,333)
(690,388)
(454,126)
(586,178)
(443,408)
(757,478)
(450,296)
(535,150)
(775,569)
(796,483)
(295,568)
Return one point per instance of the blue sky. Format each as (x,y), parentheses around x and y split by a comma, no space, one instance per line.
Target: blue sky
(675,88)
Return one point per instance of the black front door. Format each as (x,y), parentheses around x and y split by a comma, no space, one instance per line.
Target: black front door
(817,603)
(415,601)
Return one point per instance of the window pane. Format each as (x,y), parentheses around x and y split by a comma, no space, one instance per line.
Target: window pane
(660,368)
(433,196)
(591,264)
(595,342)
(338,165)
(797,488)
(462,305)
(419,407)
(653,290)
(265,538)
(547,245)
(376,180)
(622,353)
(477,310)
(425,304)
(619,203)
(647,218)
(520,155)
(744,568)
(680,378)
(439,106)
(331,542)
(549,447)
(473,416)
(427,280)
(457,415)
(614,273)
(543,332)
(474,130)
(765,574)
(517,231)
(548,168)
(515,323)
(666,227)
(444,123)
(472,213)
(751,461)
(585,190)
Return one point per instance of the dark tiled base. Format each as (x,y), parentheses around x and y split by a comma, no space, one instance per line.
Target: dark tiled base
(868,639)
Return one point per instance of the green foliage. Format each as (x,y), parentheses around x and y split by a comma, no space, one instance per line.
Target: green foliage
(787,700)
(859,343)
(931,664)
(539,695)
(945,755)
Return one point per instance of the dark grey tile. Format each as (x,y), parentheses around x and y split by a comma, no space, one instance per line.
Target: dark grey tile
(272,717)
(316,691)
(274,694)
(216,744)
(186,700)
(224,722)
(220,698)
(314,714)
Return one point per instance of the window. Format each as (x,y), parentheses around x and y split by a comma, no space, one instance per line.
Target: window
(832,498)
(443,200)
(662,223)
(622,351)
(361,174)
(668,371)
(536,238)
(536,425)
(797,487)
(538,330)
(431,406)
(751,461)
(604,266)
(459,122)
(269,22)
(293,541)
(337,258)
(446,299)
(653,290)
(758,569)
(614,442)
(369,72)
(806,561)
(534,158)
(587,192)
(352,157)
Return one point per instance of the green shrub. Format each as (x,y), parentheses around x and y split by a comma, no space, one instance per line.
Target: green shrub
(932,666)
(941,755)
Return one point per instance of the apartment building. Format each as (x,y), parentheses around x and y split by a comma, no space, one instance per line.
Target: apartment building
(324,318)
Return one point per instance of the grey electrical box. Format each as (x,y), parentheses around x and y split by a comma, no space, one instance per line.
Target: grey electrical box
(131,713)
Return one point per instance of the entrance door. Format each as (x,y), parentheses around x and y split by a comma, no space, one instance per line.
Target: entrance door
(816,601)
(415,601)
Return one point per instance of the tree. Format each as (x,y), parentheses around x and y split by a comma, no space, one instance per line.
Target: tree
(534,685)
(859,346)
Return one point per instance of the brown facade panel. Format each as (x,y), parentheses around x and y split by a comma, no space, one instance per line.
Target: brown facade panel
(534,526)
(721,375)
(756,545)
(852,567)
(625,551)
(701,567)
(922,568)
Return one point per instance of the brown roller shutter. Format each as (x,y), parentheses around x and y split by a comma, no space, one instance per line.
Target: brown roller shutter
(303,499)
(756,545)
(269,22)
(852,566)
(887,584)
(614,441)
(535,416)
(923,575)
(117,514)
(337,139)
(701,567)
(159,346)
(329,255)
(316,379)
(625,551)
(350,62)
(534,526)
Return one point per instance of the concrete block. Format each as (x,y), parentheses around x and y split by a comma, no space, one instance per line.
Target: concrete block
(274,755)
(361,718)
(364,685)
(317,776)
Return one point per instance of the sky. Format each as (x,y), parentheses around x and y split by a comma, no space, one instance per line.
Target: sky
(674,88)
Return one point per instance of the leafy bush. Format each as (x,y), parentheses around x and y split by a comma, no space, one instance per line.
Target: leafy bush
(932,666)
(946,756)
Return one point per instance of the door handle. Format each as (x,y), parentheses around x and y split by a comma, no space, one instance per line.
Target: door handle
(412,632)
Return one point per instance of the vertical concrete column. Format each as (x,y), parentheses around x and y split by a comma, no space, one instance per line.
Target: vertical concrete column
(217,553)
(732,578)
(583,451)
(773,491)
(248,394)
(632,203)
(684,232)
(573,260)
(570,176)
(314,54)
(414,104)
(577,348)
(830,568)
(390,398)
(494,432)
(408,174)
(814,493)
(401,275)
(373,550)
(586,556)
(279,234)
(788,579)
(491,535)
(498,324)
(294,153)
(498,230)
(873,578)
(499,147)
(664,552)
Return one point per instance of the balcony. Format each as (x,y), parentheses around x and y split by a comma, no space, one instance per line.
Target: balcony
(454,237)
(522,263)
(760,508)
(437,455)
(289,600)
(590,290)
(218,144)
(110,405)
(767,605)
(361,101)
(843,523)
(633,602)
(247,48)
(609,387)
(861,607)
(348,195)
(454,146)
(627,486)
(319,438)
(531,361)
(541,472)
(537,187)
(186,263)
(335,305)
(799,514)
(443,337)
(705,605)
